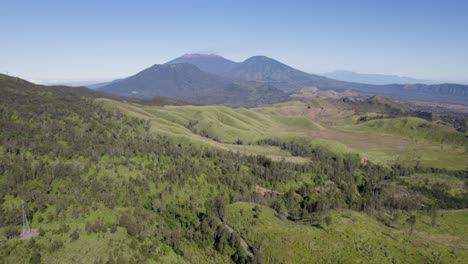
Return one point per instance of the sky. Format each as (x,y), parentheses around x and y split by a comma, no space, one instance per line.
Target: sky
(84,40)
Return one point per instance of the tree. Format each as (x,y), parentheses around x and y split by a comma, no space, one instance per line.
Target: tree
(412,222)
(219,206)
(35,258)
(257,211)
(10,232)
(75,235)
(328,220)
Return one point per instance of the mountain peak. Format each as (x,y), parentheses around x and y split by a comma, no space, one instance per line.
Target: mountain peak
(210,63)
(261,62)
(261,58)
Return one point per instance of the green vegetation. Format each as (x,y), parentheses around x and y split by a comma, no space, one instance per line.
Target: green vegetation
(324,123)
(349,236)
(416,129)
(112,181)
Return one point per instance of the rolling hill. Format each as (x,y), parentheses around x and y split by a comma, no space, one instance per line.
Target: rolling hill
(115,179)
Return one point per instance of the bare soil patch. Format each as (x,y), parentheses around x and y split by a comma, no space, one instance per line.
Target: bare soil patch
(27,236)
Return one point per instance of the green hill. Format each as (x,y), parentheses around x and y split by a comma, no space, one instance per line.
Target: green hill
(106,179)
(349,237)
(416,129)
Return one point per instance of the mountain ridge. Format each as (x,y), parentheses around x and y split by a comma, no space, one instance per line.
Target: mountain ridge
(284,77)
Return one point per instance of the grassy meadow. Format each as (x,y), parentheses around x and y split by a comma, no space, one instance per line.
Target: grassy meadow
(322,123)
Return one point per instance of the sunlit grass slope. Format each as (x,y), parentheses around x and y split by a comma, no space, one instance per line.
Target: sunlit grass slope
(351,237)
(320,122)
(416,129)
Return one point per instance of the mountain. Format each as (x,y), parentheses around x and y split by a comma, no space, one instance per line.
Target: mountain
(258,69)
(264,69)
(177,80)
(377,79)
(270,71)
(187,82)
(208,63)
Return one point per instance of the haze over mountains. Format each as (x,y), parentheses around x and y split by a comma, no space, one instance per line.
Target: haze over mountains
(377,79)
(212,79)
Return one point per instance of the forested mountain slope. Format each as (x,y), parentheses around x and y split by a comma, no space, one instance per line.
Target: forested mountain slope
(102,185)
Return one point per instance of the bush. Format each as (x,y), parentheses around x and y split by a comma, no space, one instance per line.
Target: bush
(35,258)
(75,235)
(56,245)
(10,232)
(127,222)
(95,227)
(41,231)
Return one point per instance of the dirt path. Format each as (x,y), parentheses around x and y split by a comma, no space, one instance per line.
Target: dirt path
(453,210)
(244,244)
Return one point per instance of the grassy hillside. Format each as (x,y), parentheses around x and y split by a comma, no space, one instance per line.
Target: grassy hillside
(416,129)
(235,129)
(324,123)
(118,181)
(349,237)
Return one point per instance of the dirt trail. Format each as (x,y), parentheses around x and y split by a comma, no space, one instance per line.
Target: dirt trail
(452,210)
(244,244)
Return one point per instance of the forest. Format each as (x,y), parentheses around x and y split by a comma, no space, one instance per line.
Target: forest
(87,172)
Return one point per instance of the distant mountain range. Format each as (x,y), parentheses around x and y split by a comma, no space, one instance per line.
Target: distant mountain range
(212,79)
(377,79)
(258,69)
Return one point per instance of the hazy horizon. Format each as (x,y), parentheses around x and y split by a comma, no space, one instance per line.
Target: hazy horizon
(84,82)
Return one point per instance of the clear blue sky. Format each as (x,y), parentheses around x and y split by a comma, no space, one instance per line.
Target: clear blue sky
(106,39)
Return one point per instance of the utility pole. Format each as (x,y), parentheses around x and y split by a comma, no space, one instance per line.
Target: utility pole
(26,229)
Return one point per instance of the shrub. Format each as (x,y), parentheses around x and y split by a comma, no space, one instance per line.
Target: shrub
(35,258)
(10,232)
(56,245)
(95,227)
(75,235)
